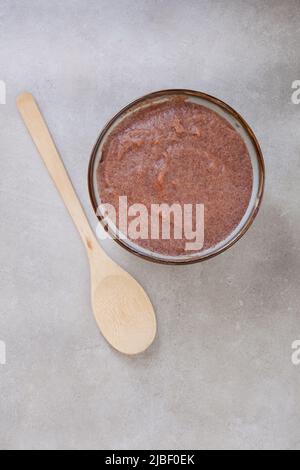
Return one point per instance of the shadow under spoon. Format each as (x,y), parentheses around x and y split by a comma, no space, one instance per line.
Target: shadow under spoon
(121,307)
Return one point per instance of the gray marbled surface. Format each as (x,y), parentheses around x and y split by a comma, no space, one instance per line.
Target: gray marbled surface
(220,373)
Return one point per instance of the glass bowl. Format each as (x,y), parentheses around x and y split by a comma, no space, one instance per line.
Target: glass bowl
(241,127)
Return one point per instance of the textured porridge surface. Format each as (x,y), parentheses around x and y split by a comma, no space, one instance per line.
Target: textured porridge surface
(178,152)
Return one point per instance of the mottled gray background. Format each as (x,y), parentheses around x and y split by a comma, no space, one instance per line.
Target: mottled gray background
(220,373)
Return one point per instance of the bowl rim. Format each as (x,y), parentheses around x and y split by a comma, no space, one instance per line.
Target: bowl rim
(224,106)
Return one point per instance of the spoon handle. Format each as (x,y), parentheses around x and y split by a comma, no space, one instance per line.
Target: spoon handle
(40,134)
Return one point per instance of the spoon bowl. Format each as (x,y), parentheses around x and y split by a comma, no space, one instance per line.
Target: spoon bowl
(125,319)
(122,308)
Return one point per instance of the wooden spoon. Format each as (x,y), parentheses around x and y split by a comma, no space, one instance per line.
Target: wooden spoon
(121,307)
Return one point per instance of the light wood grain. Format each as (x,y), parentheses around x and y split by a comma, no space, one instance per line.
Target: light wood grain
(121,307)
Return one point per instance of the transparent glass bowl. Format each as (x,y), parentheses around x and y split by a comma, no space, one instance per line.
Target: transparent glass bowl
(242,128)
